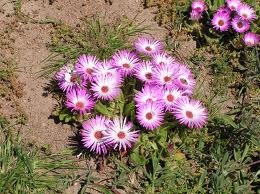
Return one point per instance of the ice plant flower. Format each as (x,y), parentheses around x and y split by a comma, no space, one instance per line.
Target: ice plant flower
(93,134)
(164,75)
(120,134)
(106,87)
(125,61)
(199,6)
(190,112)
(68,79)
(162,59)
(85,66)
(233,4)
(148,94)
(79,100)
(150,115)
(224,10)
(148,46)
(251,39)
(106,68)
(169,97)
(220,22)
(240,25)
(195,15)
(246,12)
(144,71)
(184,80)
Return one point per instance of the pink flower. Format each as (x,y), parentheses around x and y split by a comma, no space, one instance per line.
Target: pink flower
(79,100)
(106,87)
(246,12)
(190,113)
(68,79)
(199,6)
(240,25)
(251,39)
(150,115)
(120,134)
(233,4)
(125,61)
(148,46)
(92,134)
(85,66)
(220,22)
(144,71)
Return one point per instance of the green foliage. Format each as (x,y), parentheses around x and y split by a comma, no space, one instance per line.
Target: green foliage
(27,171)
(92,37)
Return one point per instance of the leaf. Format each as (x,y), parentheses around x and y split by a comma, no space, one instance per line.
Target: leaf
(101,108)
(138,159)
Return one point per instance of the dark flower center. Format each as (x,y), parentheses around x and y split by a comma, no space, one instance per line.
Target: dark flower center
(244,15)
(189,114)
(126,65)
(89,71)
(148,75)
(73,78)
(183,81)
(80,105)
(167,78)
(170,98)
(198,9)
(221,22)
(148,48)
(98,134)
(149,116)
(104,89)
(161,63)
(121,135)
(239,24)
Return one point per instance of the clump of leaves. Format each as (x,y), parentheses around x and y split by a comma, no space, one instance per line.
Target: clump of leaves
(93,37)
(25,170)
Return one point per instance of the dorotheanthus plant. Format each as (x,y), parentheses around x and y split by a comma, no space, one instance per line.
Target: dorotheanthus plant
(161,86)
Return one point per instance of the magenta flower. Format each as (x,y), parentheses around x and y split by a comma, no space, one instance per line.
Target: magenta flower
(120,134)
(144,71)
(79,100)
(220,22)
(125,61)
(162,59)
(106,87)
(164,75)
(150,115)
(148,94)
(85,66)
(224,10)
(93,134)
(233,4)
(195,15)
(68,79)
(184,80)
(148,46)
(251,39)
(107,68)
(199,6)
(190,113)
(246,12)
(240,25)
(169,97)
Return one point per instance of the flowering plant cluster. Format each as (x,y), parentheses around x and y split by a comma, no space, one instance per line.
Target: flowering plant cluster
(163,86)
(234,14)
